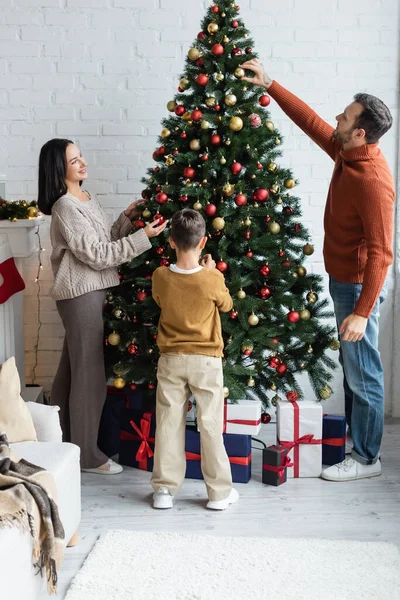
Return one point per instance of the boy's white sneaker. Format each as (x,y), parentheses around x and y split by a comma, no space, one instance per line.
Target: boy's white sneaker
(162,498)
(223,504)
(350,470)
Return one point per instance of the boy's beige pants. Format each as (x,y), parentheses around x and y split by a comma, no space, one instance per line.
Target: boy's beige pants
(179,376)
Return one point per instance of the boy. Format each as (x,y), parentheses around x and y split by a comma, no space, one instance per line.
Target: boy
(190,341)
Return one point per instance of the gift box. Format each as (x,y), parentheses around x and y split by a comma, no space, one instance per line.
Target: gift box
(299,429)
(275,463)
(238,448)
(137,439)
(243,417)
(333,439)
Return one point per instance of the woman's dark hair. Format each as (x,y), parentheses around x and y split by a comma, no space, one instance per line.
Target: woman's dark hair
(52,171)
(375,119)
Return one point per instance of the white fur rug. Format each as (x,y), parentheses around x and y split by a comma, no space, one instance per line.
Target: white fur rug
(129,565)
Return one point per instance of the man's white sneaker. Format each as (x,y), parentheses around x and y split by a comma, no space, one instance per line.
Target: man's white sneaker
(109,468)
(162,498)
(350,469)
(223,504)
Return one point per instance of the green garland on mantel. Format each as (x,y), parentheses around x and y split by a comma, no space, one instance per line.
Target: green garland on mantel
(18,209)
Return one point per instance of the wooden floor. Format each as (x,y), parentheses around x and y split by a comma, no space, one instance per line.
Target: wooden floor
(362,510)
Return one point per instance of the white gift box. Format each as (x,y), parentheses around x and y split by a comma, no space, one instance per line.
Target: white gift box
(243,417)
(299,428)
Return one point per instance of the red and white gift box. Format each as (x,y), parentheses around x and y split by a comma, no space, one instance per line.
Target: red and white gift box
(299,429)
(242,417)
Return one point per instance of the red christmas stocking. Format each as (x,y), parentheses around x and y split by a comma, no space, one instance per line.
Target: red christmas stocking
(11,281)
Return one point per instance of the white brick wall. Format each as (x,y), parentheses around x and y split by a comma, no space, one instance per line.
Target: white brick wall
(101,72)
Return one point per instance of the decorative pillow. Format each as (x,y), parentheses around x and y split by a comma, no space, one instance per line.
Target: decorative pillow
(15,418)
(46,421)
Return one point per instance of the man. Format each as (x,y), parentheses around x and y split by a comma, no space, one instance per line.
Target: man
(357,251)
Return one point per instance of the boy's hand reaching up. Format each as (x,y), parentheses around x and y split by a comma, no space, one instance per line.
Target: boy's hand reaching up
(208,262)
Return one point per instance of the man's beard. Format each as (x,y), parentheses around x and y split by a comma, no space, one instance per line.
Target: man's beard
(342,138)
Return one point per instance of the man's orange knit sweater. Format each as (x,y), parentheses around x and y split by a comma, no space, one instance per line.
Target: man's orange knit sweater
(360,206)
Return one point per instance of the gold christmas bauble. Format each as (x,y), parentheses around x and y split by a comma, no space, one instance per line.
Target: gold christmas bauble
(218,223)
(119,369)
(220,77)
(197,206)
(211,101)
(310,349)
(325,392)
(230,100)
(226,39)
(289,183)
(294,275)
(308,249)
(305,315)
(169,161)
(273,387)
(212,28)
(146,213)
(119,383)
(312,297)
(301,271)
(334,344)
(253,320)
(117,312)
(275,189)
(226,392)
(171,105)
(165,132)
(275,401)
(274,227)
(187,116)
(279,200)
(272,167)
(205,125)
(195,144)
(270,125)
(236,123)
(239,73)
(110,298)
(222,160)
(241,294)
(32,212)
(114,339)
(247,222)
(228,142)
(184,83)
(251,382)
(228,189)
(194,54)
(277,141)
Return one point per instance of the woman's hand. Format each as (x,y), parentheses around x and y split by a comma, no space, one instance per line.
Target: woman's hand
(260,76)
(154,229)
(134,209)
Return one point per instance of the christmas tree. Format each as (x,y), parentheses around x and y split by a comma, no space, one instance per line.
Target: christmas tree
(217,153)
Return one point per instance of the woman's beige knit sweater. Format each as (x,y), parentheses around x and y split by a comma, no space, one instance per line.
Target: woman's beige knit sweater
(86,251)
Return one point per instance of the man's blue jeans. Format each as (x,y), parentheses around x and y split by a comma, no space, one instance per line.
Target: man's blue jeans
(363,375)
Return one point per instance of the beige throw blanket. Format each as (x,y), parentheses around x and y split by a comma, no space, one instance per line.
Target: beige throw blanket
(27,503)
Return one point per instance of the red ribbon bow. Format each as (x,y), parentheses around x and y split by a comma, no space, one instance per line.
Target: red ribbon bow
(280,470)
(143,433)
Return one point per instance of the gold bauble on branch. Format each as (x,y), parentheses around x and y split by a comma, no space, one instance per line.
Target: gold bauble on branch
(228,142)
(253,320)
(114,339)
(274,227)
(197,206)
(277,141)
(211,101)
(165,132)
(32,212)
(117,313)
(220,77)
(205,125)
(247,222)
(230,100)
(212,28)
(312,297)
(272,167)
(228,189)
(310,349)
(325,392)
(186,116)
(195,144)
(279,200)
(334,344)
(119,383)
(222,160)
(301,271)
(226,392)
(289,183)
(305,315)
(275,401)
(146,213)
(236,123)
(308,249)
(194,54)
(241,294)
(239,73)
(110,298)
(218,223)
(226,39)
(273,387)
(270,125)
(169,161)
(251,382)
(184,83)
(275,189)
(171,105)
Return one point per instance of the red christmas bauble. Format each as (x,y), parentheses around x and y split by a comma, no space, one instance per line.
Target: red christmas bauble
(265,292)
(247,234)
(157,169)
(139,223)
(215,139)
(215,8)
(202,79)
(180,90)
(259,166)
(233,315)
(210,210)
(161,150)
(249,50)
(274,362)
(175,152)
(235,24)
(293,316)
(140,296)
(183,198)
(146,194)
(265,270)
(264,100)
(236,52)
(281,369)
(261,195)
(292,396)
(255,120)
(156,155)
(236,168)
(164,262)
(249,254)
(149,276)
(160,250)
(196,115)
(281,253)
(161,198)
(189,173)
(151,386)
(288,210)
(159,218)
(297,227)
(132,349)
(265,418)
(286,263)
(268,219)
(133,386)
(200,62)
(180,110)
(247,352)
(222,266)
(217,107)
(184,135)
(218,49)
(204,157)
(201,35)
(155,336)
(158,188)
(276,341)
(240,200)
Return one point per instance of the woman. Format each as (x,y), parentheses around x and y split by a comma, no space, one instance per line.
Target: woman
(85,257)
